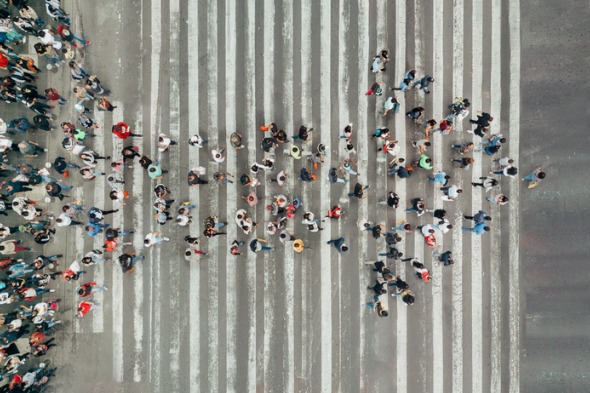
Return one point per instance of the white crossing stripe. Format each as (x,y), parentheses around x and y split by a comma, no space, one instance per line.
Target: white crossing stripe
(326,273)
(173,163)
(195,270)
(306,323)
(232,197)
(476,259)
(213,202)
(288,261)
(269,262)
(117,274)
(362,151)
(99,190)
(457,249)
(437,152)
(495,238)
(251,130)
(514,220)
(153,266)
(400,189)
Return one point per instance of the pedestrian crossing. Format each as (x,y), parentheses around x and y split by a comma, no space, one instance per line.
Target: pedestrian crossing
(281,321)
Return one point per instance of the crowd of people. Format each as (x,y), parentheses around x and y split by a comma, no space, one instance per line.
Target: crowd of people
(489,142)
(28,274)
(30,313)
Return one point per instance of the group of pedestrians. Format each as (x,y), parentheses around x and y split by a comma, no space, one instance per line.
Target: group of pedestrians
(30,311)
(29,274)
(487,141)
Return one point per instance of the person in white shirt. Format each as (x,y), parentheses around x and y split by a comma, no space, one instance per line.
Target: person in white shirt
(450,193)
(164,142)
(217,155)
(153,238)
(444,226)
(281,178)
(196,140)
(184,217)
(48,39)
(64,220)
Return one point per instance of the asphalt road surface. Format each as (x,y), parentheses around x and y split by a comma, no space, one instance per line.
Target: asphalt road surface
(281,321)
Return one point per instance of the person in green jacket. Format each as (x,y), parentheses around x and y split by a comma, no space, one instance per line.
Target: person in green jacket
(425,162)
(155,170)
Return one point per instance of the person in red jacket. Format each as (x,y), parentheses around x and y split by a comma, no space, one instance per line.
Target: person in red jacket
(85,307)
(87,289)
(122,131)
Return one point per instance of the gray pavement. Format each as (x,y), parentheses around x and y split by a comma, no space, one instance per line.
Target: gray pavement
(555,216)
(299,322)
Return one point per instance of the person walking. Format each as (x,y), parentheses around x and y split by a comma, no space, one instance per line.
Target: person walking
(9,247)
(535,177)
(479,229)
(339,244)
(478,217)
(89,288)
(463,148)
(450,193)
(153,238)
(128,260)
(415,114)
(424,83)
(445,258)
(499,199)
(391,201)
(440,177)
(122,131)
(359,191)
(85,307)
(256,245)
(376,89)
(464,162)
(486,182)
(417,205)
